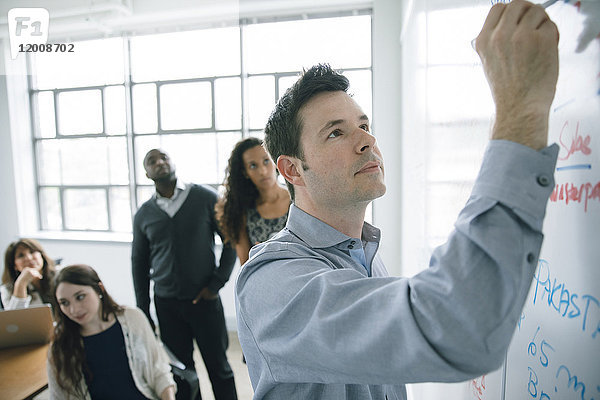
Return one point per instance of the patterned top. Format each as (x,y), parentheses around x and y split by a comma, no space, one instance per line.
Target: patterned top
(262,229)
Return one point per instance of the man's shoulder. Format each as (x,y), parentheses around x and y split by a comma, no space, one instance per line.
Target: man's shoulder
(145,207)
(202,192)
(283,248)
(284,240)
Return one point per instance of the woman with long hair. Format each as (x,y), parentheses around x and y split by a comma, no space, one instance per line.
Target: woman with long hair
(254,206)
(27,276)
(102,350)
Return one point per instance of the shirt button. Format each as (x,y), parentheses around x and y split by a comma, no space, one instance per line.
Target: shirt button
(530,258)
(350,246)
(543,180)
(353,242)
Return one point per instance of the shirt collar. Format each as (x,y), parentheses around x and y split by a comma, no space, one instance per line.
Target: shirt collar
(179,186)
(317,234)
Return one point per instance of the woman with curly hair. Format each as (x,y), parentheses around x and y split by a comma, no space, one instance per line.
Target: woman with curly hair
(254,206)
(102,350)
(27,277)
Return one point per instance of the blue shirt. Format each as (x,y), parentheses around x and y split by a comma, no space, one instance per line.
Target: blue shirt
(314,325)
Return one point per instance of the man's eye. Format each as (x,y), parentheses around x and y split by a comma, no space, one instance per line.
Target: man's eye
(335,134)
(365,128)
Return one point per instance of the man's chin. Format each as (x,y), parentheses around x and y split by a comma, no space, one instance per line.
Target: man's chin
(165,178)
(374,193)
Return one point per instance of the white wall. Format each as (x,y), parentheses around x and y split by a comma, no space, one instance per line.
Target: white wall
(387,106)
(9,225)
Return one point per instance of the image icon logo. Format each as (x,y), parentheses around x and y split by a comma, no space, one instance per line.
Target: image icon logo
(27,26)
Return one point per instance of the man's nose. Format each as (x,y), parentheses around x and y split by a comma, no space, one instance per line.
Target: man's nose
(365,140)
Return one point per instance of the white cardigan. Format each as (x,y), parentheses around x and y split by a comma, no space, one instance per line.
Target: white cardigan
(147,358)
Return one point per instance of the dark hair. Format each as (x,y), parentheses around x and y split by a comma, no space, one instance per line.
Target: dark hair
(67,354)
(240,193)
(10,274)
(282,133)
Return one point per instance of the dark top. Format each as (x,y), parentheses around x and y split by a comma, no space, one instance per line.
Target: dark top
(262,229)
(109,376)
(178,253)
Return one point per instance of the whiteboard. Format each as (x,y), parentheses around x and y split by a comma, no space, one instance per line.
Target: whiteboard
(555,351)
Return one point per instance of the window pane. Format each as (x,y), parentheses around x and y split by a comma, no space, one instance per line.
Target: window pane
(258,134)
(92,63)
(84,161)
(186,106)
(80,112)
(465,24)
(361,91)
(455,152)
(261,100)
(444,202)
(464,97)
(194,54)
(286,82)
(47,122)
(48,162)
(50,209)
(195,156)
(342,42)
(145,118)
(118,168)
(115,117)
(143,144)
(85,209)
(225,143)
(120,211)
(144,193)
(228,104)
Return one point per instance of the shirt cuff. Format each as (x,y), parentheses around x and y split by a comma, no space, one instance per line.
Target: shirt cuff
(16,303)
(518,177)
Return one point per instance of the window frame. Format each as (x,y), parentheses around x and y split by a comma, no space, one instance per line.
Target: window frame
(134,186)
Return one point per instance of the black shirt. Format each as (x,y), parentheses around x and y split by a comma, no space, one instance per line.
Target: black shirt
(109,375)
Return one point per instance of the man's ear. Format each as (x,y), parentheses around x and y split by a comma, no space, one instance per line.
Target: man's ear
(289,167)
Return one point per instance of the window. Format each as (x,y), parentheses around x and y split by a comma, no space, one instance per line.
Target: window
(452,106)
(97,111)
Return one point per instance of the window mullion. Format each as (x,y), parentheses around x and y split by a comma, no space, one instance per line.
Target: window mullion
(243,82)
(129,127)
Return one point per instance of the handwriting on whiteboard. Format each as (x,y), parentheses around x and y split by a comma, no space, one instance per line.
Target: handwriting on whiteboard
(566,382)
(573,142)
(568,304)
(571,193)
(478,387)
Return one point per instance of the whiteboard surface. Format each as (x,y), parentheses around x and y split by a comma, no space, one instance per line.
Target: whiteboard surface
(555,352)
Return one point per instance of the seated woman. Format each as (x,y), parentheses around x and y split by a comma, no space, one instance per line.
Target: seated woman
(27,277)
(102,350)
(254,206)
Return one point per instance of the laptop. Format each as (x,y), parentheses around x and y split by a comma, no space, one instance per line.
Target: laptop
(25,326)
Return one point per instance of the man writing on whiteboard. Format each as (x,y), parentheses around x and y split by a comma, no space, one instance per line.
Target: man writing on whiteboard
(318,315)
